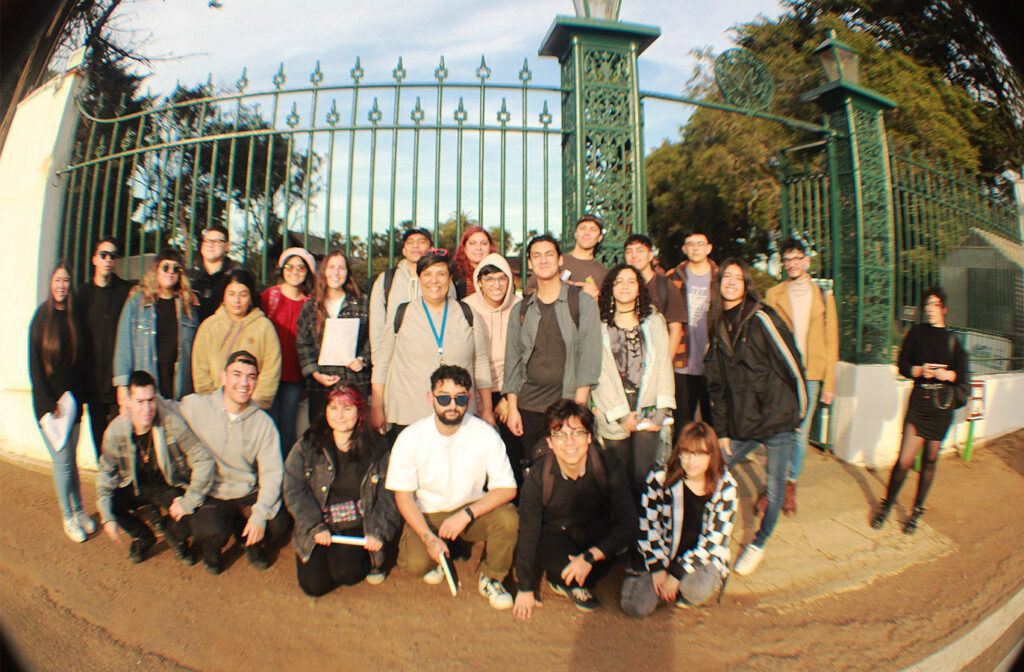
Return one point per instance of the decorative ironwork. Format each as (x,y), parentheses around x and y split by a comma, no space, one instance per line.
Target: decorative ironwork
(744,80)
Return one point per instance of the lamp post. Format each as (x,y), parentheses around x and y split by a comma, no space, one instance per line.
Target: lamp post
(863,236)
(602,141)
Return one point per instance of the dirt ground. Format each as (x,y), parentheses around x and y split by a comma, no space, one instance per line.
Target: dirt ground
(86,607)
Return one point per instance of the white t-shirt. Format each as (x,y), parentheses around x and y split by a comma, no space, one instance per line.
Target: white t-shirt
(446,473)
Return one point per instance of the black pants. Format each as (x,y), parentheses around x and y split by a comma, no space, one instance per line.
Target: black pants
(553,551)
(513,445)
(126,503)
(214,523)
(534,433)
(100,415)
(691,391)
(332,566)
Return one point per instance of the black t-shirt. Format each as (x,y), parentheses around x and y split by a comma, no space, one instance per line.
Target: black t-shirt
(693,519)
(343,500)
(146,468)
(99,309)
(166,345)
(544,371)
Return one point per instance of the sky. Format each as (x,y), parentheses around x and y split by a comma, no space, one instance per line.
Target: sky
(189,41)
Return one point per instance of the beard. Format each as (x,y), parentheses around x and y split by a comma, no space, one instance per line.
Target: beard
(445,419)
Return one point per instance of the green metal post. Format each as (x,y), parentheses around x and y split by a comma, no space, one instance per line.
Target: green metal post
(602,148)
(862,219)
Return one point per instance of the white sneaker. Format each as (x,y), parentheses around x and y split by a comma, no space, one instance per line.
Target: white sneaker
(74,530)
(377,576)
(749,560)
(495,593)
(434,576)
(86,523)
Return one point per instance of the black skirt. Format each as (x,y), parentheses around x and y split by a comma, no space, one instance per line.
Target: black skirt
(931,422)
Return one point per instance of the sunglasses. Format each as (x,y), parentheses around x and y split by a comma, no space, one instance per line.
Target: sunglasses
(436,251)
(106,254)
(173,269)
(461,400)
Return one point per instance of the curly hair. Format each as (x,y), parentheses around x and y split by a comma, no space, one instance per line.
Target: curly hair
(463,266)
(606,302)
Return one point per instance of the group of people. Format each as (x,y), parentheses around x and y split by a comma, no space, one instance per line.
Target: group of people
(593,419)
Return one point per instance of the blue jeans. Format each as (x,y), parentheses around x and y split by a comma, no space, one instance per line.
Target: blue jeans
(65,472)
(779,446)
(796,461)
(284,412)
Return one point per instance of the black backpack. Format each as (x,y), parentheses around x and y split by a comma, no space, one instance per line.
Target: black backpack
(574,304)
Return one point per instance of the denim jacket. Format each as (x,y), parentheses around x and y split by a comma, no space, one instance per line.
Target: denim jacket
(136,344)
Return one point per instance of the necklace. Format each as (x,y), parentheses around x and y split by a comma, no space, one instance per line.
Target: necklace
(439,338)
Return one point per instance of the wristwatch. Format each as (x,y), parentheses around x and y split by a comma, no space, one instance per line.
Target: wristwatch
(588,557)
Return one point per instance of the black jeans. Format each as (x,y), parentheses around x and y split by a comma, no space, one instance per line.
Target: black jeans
(513,444)
(331,566)
(553,551)
(214,523)
(126,503)
(691,391)
(534,433)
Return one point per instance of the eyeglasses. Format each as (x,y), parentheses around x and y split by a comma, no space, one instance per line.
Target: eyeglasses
(562,437)
(792,260)
(461,400)
(692,454)
(215,241)
(696,243)
(172,269)
(495,281)
(436,251)
(294,267)
(107,254)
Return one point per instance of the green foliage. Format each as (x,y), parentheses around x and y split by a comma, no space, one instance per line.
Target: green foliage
(721,177)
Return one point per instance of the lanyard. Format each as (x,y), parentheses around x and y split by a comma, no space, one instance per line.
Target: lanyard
(444,323)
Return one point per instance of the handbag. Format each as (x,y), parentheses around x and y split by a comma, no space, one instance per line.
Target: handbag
(960,391)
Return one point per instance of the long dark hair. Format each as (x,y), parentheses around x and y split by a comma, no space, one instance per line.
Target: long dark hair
(52,315)
(320,286)
(307,284)
(717,307)
(320,433)
(606,302)
(696,437)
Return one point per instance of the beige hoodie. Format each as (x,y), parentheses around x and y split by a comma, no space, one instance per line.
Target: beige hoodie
(219,336)
(494,320)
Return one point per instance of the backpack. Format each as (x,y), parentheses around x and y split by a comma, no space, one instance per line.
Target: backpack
(389,279)
(548,477)
(400,314)
(574,304)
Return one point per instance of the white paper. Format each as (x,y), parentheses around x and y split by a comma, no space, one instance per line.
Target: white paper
(338,347)
(57,429)
(351,541)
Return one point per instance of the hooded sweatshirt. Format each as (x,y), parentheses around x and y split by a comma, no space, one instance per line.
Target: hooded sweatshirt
(246,449)
(494,320)
(219,335)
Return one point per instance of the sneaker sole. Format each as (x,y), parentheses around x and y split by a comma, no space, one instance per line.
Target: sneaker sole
(490,600)
(375,580)
(558,590)
(584,608)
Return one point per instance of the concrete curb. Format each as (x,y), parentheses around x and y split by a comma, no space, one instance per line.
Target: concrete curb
(966,649)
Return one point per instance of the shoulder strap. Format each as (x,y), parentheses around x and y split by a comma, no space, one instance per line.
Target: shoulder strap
(547,478)
(548,475)
(600,473)
(524,305)
(389,278)
(467,311)
(662,281)
(400,315)
(574,303)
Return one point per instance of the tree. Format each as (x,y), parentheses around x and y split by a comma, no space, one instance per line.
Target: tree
(722,176)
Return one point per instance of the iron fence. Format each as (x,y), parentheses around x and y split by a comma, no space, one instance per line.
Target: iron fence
(319,166)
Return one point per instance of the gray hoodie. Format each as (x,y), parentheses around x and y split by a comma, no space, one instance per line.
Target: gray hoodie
(494,320)
(246,449)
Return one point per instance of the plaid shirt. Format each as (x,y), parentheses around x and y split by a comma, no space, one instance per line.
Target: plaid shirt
(661,526)
(307,342)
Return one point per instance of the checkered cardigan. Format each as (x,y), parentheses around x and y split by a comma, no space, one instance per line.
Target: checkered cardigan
(661,525)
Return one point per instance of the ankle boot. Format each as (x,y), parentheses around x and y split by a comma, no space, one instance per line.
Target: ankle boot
(910,526)
(789,505)
(884,507)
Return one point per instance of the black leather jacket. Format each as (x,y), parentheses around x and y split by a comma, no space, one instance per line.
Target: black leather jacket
(308,474)
(755,377)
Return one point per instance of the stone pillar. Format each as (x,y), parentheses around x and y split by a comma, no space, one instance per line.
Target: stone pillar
(862,219)
(602,140)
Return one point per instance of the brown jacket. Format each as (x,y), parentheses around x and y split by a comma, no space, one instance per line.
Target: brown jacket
(678,277)
(822,333)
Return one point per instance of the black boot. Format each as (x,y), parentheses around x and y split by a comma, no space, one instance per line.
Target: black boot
(910,526)
(884,507)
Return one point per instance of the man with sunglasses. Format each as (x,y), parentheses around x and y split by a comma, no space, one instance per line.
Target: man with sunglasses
(810,314)
(439,469)
(98,307)
(210,277)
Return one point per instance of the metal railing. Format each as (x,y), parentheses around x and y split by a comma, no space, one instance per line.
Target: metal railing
(319,166)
